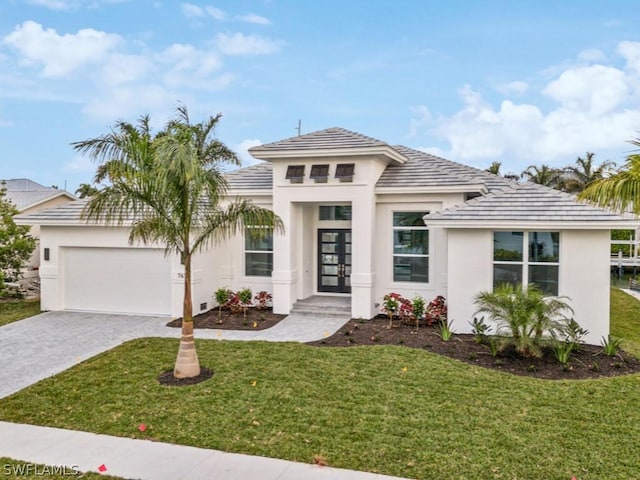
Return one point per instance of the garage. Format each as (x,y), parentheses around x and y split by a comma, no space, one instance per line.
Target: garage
(117,280)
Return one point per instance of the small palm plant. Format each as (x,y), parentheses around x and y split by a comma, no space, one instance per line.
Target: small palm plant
(525,314)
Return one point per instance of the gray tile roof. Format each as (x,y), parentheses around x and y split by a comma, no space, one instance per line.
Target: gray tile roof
(426,170)
(328,138)
(255,177)
(526,202)
(23,192)
(67,212)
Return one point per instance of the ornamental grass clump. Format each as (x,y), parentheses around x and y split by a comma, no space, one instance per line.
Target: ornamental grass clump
(525,316)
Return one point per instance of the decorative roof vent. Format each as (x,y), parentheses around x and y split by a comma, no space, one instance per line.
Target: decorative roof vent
(295,173)
(344,172)
(320,173)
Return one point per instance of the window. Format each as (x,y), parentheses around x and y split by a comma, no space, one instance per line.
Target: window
(410,247)
(344,172)
(538,263)
(319,173)
(335,212)
(295,173)
(258,252)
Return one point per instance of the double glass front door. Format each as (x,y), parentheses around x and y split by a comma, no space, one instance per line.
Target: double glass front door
(334,260)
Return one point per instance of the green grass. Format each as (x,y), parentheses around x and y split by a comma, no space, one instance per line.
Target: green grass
(14,310)
(356,407)
(625,320)
(383,409)
(17,470)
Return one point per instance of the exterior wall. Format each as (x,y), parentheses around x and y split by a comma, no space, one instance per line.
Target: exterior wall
(583,276)
(34,261)
(382,246)
(52,273)
(294,203)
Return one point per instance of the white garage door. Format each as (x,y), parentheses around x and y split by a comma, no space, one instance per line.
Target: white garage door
(118,280)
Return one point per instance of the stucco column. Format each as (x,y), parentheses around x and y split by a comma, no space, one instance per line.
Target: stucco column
(285,274)
(363,249)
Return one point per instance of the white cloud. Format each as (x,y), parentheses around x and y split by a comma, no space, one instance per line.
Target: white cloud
(186,65)
(119,68)
(255,19)
(216,13)
(190,10)
(514,88)
(594,108)
(591,55)
(597,89)
(60,55)
(130,101)
(51,4)
(240,44)
(242,150)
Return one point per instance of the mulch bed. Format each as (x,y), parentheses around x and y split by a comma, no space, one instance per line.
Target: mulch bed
(587,363)
(257,319)
(167,378)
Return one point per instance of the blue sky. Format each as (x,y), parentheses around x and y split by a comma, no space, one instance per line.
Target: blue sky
(474,81)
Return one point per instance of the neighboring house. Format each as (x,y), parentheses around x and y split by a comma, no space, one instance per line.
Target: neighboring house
(30,197)
(362,219)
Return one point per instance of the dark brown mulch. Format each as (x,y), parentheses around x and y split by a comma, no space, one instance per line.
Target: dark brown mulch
(587,363)
(167,378)
(256,320)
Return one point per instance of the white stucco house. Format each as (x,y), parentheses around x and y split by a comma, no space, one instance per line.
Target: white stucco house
(29,197)
(362,219)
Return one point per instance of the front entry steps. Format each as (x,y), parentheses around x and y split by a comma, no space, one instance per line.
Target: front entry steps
(323,305)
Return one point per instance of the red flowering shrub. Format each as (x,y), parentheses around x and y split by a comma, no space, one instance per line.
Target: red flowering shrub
(263,300)
(436,310)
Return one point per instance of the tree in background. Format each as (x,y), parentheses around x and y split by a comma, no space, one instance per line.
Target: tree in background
(576,177)
(16,245)
(543,175)
(86,190)
(171,187)
(495,169)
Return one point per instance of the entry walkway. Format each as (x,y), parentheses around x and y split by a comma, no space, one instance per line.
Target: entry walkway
(143,459)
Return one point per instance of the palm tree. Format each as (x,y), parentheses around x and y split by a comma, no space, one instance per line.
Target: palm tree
(170,186)
(583,172)
(495,169)
(620,191)
(543,175)
(86,190)
(526,314)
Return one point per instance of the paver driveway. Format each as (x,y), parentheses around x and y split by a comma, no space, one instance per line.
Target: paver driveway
(46,344)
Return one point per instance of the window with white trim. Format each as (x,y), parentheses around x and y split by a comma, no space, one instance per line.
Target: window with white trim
(258,252)
(538,263)
(410,247)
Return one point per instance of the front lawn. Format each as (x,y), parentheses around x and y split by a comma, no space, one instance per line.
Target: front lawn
(386,409)
(625,320)
(13,310)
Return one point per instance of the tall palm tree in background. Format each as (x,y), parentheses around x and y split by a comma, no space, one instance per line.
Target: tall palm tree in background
(86,190)
(495,169)
(576,177)
(171,188)
(543,175)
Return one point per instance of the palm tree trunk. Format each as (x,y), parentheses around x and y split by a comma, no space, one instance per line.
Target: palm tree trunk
(187,364)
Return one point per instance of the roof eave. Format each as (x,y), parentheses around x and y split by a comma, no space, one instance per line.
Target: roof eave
(548,224)
(465,188)
(62,193)
(383,152)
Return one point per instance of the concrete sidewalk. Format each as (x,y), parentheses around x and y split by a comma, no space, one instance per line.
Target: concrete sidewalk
(144,459)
